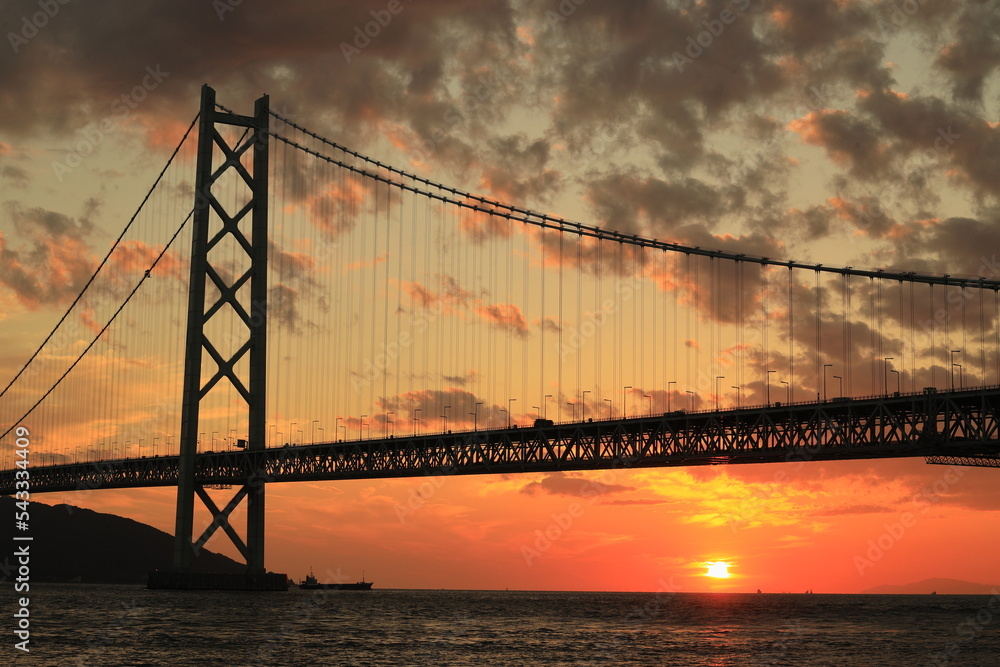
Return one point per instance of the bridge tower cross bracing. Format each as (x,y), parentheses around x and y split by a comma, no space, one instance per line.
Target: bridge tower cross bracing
(249,384)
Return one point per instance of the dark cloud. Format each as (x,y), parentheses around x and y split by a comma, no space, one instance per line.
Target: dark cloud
(432,402)
(638,501)
(975,53)
(504,316)
(283,307)
(16,175)
(563,484)
(652,206)
(51,259)
(849,139)
(853,510)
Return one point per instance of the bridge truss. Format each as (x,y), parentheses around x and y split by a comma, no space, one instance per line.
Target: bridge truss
(960,427)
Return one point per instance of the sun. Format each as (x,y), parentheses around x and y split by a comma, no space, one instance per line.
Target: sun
(718,569)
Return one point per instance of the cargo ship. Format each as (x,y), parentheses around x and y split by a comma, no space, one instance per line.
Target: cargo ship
(311,584)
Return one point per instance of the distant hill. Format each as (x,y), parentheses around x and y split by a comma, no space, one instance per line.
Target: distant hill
(75,544)
(941,586)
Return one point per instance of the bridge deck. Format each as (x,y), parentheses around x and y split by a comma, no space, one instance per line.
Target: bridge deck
(944,426)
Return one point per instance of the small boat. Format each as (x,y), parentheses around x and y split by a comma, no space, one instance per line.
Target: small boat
(311,584)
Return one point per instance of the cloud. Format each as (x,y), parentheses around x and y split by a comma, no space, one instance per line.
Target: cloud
(854,510)
(638,501)
(135,257)
(974,54)
(53,260)
(432,402)
(449,297)
(563,484)
(505,316)
(283,307)
(849,139)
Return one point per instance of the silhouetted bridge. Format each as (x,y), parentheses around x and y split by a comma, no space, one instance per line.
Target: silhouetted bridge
(942,426)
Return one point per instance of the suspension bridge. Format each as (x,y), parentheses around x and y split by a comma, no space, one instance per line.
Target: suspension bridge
(316,314)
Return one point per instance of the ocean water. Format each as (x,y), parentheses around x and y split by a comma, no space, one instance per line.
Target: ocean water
(128,625)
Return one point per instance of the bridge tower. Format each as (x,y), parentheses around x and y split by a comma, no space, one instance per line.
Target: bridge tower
(240,361)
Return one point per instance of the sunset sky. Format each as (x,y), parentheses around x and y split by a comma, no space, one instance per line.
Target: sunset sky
(855,133)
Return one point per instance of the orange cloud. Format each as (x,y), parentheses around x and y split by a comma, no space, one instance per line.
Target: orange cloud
(504,315)
(137,256)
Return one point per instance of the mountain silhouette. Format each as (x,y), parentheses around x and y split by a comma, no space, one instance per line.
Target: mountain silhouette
(72,544)
(941,586)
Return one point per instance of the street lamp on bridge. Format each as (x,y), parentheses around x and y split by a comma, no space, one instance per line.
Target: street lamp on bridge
(668,393)
(584,417)
(545,406)
(837,377)
(445,417)
(416,421)
(650,403)
(361,428)
(509,401)
(885,374)
(691,394)
(953,364)
(717,378)
(893,370)
(788,391)
(608,401)
(739,404)
(825,366)
(625,402)
(314,422)
(767,394)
